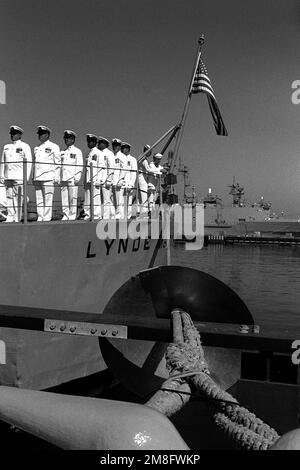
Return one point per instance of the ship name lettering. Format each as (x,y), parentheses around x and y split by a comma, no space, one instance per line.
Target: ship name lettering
(108,245)
(123,246)
(136,244)
(88,252)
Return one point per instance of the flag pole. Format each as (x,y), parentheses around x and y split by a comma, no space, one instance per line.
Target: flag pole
(187,103)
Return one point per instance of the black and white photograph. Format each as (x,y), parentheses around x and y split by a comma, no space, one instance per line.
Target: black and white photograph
(150,229)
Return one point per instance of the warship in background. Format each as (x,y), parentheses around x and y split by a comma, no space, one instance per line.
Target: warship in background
(221,216)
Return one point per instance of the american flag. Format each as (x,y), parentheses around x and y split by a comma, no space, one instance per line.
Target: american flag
(201,84)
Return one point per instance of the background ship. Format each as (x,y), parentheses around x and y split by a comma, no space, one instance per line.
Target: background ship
(217,213)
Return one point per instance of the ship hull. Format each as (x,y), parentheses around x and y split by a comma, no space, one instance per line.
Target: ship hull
(62,266)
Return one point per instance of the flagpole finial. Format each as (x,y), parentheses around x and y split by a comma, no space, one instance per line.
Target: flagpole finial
(201,39)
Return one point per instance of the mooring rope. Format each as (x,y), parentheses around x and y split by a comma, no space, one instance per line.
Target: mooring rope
(188,368)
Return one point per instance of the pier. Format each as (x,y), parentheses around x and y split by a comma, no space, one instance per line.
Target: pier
(250,240)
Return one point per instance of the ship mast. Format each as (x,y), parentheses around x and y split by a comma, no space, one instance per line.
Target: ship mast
(237,192)
(184,170)
(188,197)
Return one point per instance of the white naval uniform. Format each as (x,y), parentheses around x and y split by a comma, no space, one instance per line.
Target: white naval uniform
(11,172)
(130,179)
(118,185)
(153,182)
(71,171)
(106,182)
(95,158)
(144,170)
(47,166)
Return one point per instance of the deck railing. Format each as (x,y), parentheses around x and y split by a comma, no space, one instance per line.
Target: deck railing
(141,203)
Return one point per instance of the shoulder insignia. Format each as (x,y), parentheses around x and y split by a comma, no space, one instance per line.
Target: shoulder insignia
(48,150)
(117,160)
(72,155)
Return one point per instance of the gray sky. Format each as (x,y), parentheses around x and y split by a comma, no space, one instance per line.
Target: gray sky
(121,68)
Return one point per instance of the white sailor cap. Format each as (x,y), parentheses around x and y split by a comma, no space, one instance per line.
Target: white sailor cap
(91,137)
(158,155)
(147,147)
(125,144)
(103,139)
(116,141)
(69,133)
(43,129)
(15,130)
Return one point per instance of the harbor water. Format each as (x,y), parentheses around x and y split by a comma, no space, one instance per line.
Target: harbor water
(267,278)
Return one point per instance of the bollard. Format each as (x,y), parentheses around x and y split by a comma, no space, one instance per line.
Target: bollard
(72,422)
(289,441)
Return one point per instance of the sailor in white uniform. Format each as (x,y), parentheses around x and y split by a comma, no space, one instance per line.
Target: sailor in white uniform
(130,176)
(46,172)
(118,180)
(106,176)
(156,171)
(144,170)
(3,202)
(94,157)
(71,171)
(11,172)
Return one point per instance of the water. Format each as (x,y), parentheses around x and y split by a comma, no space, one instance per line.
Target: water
(267,278)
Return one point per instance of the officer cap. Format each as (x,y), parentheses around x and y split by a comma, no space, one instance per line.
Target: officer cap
(158,155)
(91,137)
(69,133)
(116,142)
(15,130)
(125,144)
(103,139)
(43,130)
